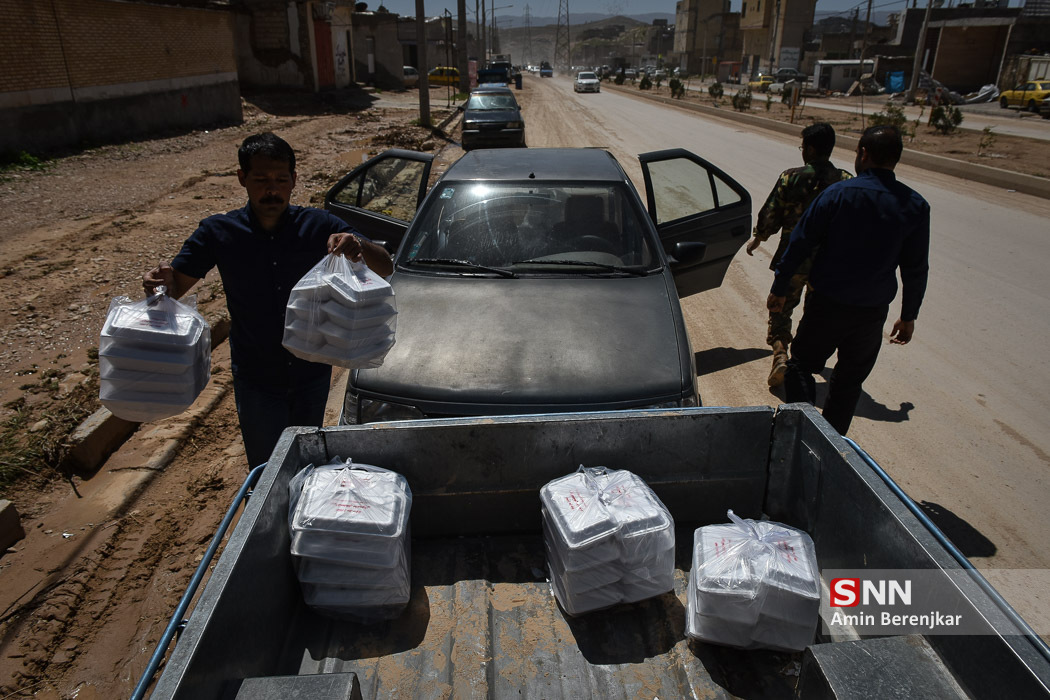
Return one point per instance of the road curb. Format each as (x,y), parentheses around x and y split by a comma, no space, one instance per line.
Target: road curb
(1008,180)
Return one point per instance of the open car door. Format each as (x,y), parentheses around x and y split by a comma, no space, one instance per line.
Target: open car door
(703,216)
(380,197)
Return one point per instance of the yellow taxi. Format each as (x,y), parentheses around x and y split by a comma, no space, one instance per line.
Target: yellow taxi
(443,75)
(761,83)
(1026,95)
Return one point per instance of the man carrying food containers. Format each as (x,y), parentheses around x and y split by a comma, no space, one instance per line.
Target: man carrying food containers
(262,251)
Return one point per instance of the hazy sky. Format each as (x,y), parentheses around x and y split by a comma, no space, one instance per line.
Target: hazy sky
(549,8)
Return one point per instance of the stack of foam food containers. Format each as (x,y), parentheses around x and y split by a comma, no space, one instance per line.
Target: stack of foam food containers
(350,540)
(609,539)
(341,313)
(154,357)
(753,584)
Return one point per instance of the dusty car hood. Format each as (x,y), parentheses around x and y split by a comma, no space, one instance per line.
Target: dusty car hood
(531,341)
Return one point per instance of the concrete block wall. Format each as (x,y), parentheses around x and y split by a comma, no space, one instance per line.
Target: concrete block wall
(93,71)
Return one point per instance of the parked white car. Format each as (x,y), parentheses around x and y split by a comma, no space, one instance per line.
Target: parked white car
(587,81)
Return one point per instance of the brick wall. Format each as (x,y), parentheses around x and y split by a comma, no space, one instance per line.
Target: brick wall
(84,43)
(77,71)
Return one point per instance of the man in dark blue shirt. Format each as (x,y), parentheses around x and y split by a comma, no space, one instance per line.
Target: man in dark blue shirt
(862,230)
(261,251)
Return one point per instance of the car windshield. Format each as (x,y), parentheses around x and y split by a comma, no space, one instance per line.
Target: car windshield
(532,229)
(491,102)
(586,76)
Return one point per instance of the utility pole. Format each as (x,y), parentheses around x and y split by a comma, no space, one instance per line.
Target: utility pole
(421,56)
(773,37)
(860,70)
(528,36)
(920,48)
(563,9)
(461,45)
(483,59)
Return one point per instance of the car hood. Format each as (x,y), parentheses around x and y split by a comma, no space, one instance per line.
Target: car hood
(491,116)
(539,341)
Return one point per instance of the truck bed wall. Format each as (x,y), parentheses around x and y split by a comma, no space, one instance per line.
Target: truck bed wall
(482,476)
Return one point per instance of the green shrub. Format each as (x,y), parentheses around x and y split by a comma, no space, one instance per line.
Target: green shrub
(893,116)
(946,119)
(21,160)
(716,90)
(677,88)
(645,84)
(619,78)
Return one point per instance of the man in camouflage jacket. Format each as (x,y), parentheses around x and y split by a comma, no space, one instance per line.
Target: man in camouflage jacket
(793,193)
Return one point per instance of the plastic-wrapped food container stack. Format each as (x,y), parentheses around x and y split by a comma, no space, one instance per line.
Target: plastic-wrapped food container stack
(350,540)
(609,539)
(753,584)
(154,357)
(341,313)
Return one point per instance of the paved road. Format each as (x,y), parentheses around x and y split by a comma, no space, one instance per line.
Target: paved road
(976,117)
(958,416)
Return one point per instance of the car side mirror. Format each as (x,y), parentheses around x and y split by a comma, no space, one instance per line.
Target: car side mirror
(688,252)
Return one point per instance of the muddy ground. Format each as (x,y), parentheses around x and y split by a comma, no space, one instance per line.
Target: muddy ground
(86,595)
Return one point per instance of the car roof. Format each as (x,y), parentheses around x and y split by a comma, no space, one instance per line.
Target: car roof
(492,89)
(589,164)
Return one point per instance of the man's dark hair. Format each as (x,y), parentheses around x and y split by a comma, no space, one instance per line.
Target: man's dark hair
(268,145)
(883,144)
(820,137)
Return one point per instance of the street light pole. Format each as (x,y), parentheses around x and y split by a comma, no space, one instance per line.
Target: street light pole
(916,66)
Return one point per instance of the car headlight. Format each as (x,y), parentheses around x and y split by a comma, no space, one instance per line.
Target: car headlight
(372,411)
(513,125)
(357,410)
(470,125)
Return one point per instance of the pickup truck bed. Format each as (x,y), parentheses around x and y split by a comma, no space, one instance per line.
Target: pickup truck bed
(482,621)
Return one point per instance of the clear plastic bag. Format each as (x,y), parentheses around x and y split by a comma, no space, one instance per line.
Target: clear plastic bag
(609,539)
(350,539)
(154,357)
(753,584)
(341,313)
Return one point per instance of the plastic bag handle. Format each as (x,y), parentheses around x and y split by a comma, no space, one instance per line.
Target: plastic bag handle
(751,532)
(158,293)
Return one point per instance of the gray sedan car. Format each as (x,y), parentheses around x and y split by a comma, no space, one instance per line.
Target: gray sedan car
(537,280)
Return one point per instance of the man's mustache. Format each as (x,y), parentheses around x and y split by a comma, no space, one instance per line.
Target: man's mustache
(271,199)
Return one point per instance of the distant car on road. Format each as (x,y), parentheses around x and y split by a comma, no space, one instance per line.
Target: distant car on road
(761,83)
(409,76)
(536,281)
(783,75)
(443,75)
(1044,108)
(546,71)
(1026,95)
(586,81)
(630,74)
(492,118)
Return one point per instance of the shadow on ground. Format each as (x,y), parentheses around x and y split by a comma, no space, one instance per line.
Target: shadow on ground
(963,535)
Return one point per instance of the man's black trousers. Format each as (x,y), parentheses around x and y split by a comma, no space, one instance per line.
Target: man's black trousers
(827,326)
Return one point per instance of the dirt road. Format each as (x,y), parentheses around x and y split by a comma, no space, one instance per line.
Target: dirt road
(87,594)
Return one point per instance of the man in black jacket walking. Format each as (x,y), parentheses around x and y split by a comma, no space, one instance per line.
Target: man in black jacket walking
(863,229)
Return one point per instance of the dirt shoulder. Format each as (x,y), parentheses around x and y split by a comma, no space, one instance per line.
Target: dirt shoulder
(87,593)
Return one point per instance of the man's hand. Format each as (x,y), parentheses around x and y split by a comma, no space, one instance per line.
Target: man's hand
(902,332)
(163,274)
(752,246)
(346,244)
(775,303)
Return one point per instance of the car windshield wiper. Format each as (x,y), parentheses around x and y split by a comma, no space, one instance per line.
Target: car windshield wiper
(502,272)
(585,263)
